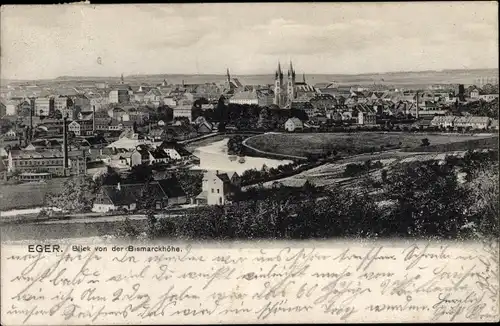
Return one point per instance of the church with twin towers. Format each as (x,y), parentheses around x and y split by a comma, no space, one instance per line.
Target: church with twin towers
(285,91)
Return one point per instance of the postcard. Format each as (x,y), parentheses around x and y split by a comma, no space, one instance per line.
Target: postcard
(258,163)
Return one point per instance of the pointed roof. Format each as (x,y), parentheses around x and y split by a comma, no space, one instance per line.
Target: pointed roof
(279,73)
(291,72)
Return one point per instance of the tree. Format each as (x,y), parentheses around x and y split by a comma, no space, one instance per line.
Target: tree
(111,177)
(425,142)
(383,175)
(77,195)
(220,112)
(127,230)
(190,181)
(152,220)
(139,174)
(484,203)
(235,145)
(428,201)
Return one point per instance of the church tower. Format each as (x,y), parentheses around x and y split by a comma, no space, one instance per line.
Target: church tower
(278,87)
(290,89)
(228,85)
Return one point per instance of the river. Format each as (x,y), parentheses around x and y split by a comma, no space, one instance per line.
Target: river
(215,157)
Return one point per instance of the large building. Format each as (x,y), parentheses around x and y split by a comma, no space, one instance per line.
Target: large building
(44,106)
(49,161)
(245,97)
(81,128)
(119,96)
(182,111)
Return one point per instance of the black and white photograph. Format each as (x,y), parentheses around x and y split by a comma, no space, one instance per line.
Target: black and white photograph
(257,123)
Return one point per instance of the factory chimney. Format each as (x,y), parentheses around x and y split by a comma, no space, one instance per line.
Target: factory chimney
(32,109)
(93,119)
(65,146)
(417,108)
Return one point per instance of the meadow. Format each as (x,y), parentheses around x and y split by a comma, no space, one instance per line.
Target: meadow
(27,195)
(303,144)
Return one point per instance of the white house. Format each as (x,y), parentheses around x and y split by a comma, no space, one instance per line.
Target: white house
(169,101)
(217,186)
(293,124)
(474,93)
(443,121)
(175,151)
(366,118)
(474,122)
(11,107)
(488,97)
(494,124)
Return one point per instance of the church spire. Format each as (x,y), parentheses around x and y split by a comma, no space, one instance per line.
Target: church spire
(122,80)
(228,75)
(279,73)
(304,78)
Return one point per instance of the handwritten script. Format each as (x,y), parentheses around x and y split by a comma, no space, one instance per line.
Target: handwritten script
(148,284)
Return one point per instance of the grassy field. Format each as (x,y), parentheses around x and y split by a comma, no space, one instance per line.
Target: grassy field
(347,143)
(27,195)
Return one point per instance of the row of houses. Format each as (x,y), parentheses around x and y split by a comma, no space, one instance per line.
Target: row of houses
(164,193)
(217,187)
(149,154)
(473,122)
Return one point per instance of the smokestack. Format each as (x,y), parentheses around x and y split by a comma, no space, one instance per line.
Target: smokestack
(65,145)
(32,109)
(416,115)
(93,119)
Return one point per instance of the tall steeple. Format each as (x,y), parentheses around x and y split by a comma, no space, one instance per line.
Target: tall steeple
(278,87)
(291,72)
(304,78)
(290,87)
(122,80)
(279,73)
(228,75)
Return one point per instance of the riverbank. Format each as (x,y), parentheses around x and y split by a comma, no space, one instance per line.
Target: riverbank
(215,157)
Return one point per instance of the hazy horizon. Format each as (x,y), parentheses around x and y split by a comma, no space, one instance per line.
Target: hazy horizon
(244,75)
(77,40)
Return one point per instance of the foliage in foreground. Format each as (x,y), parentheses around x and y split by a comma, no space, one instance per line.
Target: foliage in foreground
(423,199)
(77,195)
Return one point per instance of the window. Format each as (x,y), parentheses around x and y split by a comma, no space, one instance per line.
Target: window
(212,190)
(220,200)
(218,191)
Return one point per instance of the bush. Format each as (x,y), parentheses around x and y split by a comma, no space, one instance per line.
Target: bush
(127,230)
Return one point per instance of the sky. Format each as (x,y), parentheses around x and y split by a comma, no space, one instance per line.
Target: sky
(48,41)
